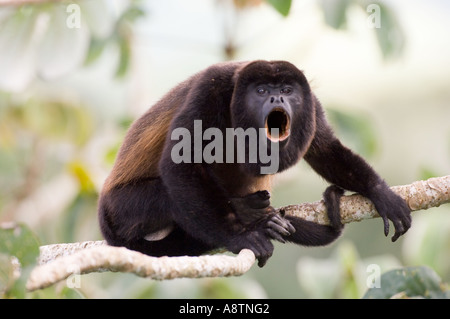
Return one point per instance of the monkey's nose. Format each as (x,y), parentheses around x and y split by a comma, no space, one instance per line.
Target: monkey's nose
(276,99)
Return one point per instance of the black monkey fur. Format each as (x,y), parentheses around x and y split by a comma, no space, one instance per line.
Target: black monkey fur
(153,205)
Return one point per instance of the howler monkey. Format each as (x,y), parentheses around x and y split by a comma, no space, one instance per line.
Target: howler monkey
(194,172)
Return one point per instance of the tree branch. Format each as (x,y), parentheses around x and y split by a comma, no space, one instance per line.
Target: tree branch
(354,208)
(102,257)
(57,262)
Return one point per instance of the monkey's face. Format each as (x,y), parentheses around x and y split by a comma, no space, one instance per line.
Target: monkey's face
(269,95)
(268,109)
(272,106)
(275,99)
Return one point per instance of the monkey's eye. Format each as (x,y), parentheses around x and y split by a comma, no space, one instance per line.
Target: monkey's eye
(286,90)
(261,91)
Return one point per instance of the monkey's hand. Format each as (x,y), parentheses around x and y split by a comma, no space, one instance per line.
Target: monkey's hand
(392,207)
(254,210)
(251,208)
(256,240)
(277,226)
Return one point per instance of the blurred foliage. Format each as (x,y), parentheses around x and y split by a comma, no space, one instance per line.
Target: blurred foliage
(31,131)
(43,137)
(355,129)
(111,152)
(282,6)
(50,39)
(78,214)
(121,36)
(19,249)
(388,31)
(343,275)
(19,241)
(346,275)
(427,172)
(429,243)
(46,118)
(410,282)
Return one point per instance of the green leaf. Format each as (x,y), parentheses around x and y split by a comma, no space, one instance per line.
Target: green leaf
(133,13)
(61,48)
(96,48)
(80,172)
(19,241)
(409,282)
(123,38)
(335,12)
(16,241)
(125,54)
(390,36)
(282,6)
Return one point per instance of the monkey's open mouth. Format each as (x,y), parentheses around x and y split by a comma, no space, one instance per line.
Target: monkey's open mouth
(278,125)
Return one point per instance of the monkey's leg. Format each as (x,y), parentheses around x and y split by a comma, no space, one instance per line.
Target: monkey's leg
(139,216)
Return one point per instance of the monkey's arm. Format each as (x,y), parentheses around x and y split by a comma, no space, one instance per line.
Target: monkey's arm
(205,213)
(340,166)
